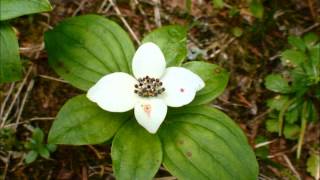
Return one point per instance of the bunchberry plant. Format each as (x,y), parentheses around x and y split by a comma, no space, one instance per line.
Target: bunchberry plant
(298,88)
(10,64)
(171,122)
(36,147)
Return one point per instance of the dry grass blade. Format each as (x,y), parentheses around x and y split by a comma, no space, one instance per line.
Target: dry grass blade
(52,78)
(4,103)
(29,88)
(295,172)
(16,97)
(115,7)
(265,143)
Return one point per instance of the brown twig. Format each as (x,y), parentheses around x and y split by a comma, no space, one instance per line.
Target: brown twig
(84,173)
(96,152)
(103,4)
(115,7)
(80,7)
(222,48)
(309,28)
(145,17)
(4,174)
(157,15)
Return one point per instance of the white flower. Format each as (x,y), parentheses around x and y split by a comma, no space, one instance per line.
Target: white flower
(150,91)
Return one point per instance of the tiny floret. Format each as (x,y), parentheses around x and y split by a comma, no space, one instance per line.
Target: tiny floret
(148,87)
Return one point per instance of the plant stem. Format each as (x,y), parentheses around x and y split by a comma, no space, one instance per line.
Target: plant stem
(281,114)
(303,128)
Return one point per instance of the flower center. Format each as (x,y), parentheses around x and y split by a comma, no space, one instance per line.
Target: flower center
(148,87)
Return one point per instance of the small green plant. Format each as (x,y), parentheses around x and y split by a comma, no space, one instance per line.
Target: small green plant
(7,139)
(297,87)
(255,7)
(10,64)
(37,146)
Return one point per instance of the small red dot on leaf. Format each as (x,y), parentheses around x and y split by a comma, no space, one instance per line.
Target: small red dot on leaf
(181,90)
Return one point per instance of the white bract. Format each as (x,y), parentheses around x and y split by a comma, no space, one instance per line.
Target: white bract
(150,91)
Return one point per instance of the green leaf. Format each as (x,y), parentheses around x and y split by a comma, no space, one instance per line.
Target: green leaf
(312,112)
(233,11)
(218,3)
(10,64)
(297,42)
(83,49)
(276,83)
(28,145)
(14,8)
(38,135)
(203,143)
(256,8)
(136,154)
(277,102)
(315,63)
(310,39)
(300,80)
(317,91)
(172,40)
(51,147)
(215,78)
(237,31)
(30,157)
(291,131)
(81,122)
(44,152)
(293,58)
(292,115)
(272,125)
(315,55)
(313,165)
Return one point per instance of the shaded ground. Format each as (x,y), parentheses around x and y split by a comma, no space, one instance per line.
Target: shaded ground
(249,58)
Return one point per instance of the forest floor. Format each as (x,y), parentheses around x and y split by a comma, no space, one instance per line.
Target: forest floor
(247,47)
